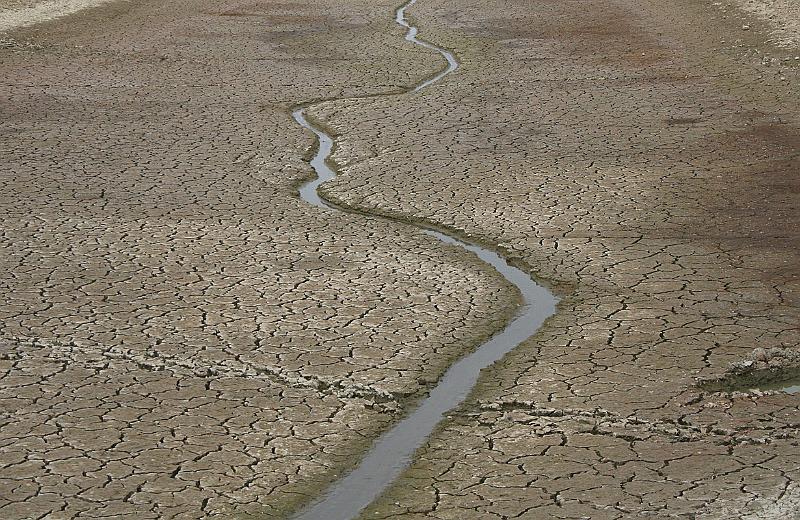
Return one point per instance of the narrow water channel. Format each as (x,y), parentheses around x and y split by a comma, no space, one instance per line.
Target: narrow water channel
(394,450)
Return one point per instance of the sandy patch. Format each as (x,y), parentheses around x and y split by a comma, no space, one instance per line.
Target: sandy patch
(21,13)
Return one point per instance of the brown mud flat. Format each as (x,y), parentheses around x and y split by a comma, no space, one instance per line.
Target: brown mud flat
(183,337)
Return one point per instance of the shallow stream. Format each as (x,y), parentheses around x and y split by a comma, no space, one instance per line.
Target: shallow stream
(394,450)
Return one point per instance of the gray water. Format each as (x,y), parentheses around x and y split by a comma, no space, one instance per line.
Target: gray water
(394,450)
(790,387)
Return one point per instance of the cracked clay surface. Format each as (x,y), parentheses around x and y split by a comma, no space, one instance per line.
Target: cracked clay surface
(182,337)
(650,173)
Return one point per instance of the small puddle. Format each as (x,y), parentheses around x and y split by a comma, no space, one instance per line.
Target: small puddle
(775,379)
(790,387)
(394,450)
(793,389)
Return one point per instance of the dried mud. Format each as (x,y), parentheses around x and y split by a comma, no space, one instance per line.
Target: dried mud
(650,173)
(183,337)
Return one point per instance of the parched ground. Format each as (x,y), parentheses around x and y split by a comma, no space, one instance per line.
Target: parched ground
(180,335)
(644,158)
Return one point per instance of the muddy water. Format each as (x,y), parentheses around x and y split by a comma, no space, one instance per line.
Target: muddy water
(394,450)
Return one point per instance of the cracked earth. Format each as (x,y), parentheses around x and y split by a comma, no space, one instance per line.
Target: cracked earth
(182,337)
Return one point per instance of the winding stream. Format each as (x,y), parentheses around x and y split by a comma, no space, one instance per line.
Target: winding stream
(394,450)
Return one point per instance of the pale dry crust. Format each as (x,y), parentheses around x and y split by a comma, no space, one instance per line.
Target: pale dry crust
(781,16)
(181,336)
(22,13)
(648,173)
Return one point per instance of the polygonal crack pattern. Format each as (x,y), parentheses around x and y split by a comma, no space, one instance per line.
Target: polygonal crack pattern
(650,174)
(181,336)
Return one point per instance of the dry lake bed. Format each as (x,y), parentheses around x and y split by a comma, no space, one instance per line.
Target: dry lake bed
(518,259)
